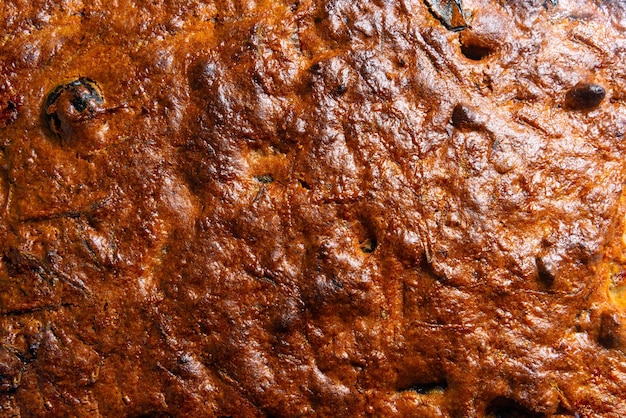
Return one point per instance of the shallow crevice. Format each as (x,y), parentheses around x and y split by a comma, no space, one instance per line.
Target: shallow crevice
(265,178)
(426,266)
(426,388)
(508,408)
(546,273)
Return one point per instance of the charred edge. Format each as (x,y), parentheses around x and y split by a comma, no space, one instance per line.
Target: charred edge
(449,12)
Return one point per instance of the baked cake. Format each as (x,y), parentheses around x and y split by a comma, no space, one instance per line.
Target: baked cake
(313,208)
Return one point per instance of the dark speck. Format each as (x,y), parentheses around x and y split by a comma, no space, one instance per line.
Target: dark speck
(339,90)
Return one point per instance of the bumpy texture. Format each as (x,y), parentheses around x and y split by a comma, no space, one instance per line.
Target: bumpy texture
(324,208)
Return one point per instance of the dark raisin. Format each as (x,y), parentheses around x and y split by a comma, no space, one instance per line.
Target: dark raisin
(71,103)
(340,90)
(466,117)
(585,96)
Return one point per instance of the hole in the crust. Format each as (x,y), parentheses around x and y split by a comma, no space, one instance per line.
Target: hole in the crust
(365,234)
(368,245)
(339,90)
(508,408)
(265,178)
(545,272)
(475,52)
(610,330)
(304,184)
(427,388)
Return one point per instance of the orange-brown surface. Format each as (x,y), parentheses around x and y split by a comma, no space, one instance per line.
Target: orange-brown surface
(312,208)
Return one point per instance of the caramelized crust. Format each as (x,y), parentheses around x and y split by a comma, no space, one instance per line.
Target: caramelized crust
(312,208)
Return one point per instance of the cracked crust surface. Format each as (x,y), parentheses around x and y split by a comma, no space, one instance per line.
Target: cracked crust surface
(269,208)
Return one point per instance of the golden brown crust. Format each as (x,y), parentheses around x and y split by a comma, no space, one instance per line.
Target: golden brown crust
(312,208)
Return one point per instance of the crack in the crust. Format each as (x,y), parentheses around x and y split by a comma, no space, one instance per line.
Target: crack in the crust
(35,309)
(86,212)
(48,272)
(233,383)
(53,216)
(534,124)
(295,38)
(437,57)
(436,325)
(580,39)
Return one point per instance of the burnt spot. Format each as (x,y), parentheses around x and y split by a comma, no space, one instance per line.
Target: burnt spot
(585,96)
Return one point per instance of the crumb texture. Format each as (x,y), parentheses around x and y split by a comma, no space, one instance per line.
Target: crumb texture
(312,208)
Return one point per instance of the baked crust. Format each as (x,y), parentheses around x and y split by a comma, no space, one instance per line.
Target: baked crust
(312,208)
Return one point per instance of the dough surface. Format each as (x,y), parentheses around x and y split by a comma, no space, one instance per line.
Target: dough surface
(312,208)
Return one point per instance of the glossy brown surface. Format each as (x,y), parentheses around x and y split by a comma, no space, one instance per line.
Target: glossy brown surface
(325,208)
